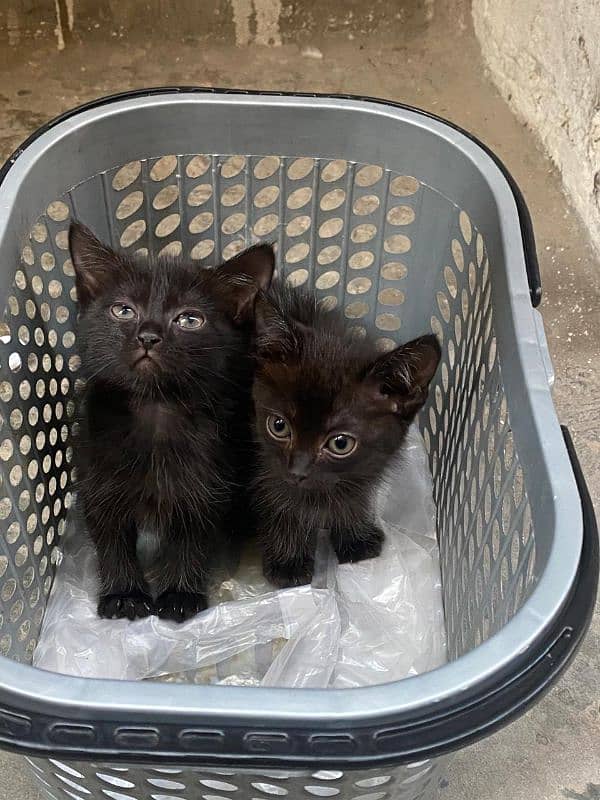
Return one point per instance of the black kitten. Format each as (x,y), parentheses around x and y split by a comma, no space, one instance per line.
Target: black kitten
(331,412)
(164,348)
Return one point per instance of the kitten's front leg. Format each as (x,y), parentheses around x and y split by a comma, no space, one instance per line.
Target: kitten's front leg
(357,542)
(288,554)
(124,593)
(181,568)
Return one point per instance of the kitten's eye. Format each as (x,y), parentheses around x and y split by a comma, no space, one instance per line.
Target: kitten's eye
(189,322)
(340,445)
(278,427)
(123,312)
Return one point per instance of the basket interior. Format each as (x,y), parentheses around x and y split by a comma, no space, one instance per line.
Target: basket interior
(400,259)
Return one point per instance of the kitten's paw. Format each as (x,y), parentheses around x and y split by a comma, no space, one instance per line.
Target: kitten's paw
(127,605)
(284,576)
(179,606)
(360,549)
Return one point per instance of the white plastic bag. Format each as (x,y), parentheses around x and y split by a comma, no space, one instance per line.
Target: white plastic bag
(358,624)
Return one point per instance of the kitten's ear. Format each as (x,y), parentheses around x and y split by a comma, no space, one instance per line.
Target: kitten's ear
(276,336)
(95,264)
(403,375)
(245,275)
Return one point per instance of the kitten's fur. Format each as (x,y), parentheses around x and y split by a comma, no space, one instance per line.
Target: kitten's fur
(164,424)
(322,380)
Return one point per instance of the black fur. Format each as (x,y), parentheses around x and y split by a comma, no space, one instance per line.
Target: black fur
(312,372)
(164,431)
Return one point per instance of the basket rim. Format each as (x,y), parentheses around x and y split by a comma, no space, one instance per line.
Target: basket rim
(30,690)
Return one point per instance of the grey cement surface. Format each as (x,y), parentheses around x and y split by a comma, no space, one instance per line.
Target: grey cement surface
(422,53)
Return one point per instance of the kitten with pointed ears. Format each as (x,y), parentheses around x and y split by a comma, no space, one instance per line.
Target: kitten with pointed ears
(331,412)
(164,431)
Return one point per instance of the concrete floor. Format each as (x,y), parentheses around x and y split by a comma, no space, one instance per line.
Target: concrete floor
(418,53)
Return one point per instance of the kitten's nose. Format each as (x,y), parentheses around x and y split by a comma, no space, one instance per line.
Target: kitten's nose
(299,465)
(148,339)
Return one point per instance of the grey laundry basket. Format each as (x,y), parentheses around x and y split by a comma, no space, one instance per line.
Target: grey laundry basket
(409,225)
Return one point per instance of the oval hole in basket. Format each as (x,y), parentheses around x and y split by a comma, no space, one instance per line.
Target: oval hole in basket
(233,195)
(401,215)
(114,781)
(233,166)
(394,271)
(328,303)
(331,227)
(234,223)
(266,167)
(133,233)
(298,225)
(202,249)
(391,297)
(126,175)
(297,252)
(201,222)
(334,170)
(327,775)
(329,254)
(327,280)
(465,226)
(300,168)
(299,197)
(332,199)
(356,310)
(129,205)
(166,197)
(167,225)
(368,175)
(270,788)
(359,285)
(163,168)
(397,243)
(266,196)
(163,783)
(458,255)
(387,322)
(58,211)
(404,185)
(232,249)
(200,194)
(362,259)
(220,786)
(363,233)
(297,277)
(366,204)
(266,224)
(197,166)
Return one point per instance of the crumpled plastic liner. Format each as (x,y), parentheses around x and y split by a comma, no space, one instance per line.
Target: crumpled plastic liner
(358,624)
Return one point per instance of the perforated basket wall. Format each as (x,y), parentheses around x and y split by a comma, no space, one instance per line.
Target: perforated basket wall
(400,259)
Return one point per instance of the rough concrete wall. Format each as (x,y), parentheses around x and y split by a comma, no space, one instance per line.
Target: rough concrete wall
(544,56)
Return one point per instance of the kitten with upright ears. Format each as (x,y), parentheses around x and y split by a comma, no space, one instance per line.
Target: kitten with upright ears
(164,432)
(331,412)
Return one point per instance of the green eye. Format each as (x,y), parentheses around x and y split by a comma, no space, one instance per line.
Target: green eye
(278,427)
(123,312)
(189,322)
(340,445)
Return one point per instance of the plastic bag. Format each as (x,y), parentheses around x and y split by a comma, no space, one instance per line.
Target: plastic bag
(358,624)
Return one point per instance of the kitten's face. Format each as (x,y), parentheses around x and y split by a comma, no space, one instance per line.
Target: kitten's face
(318,426)
(330,411)
(167,325)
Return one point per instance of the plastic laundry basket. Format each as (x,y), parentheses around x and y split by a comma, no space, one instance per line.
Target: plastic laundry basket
(409,225)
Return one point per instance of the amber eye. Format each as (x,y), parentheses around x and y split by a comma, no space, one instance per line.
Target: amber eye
(341,445)
(189,321)
(123,312)
(278,427)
